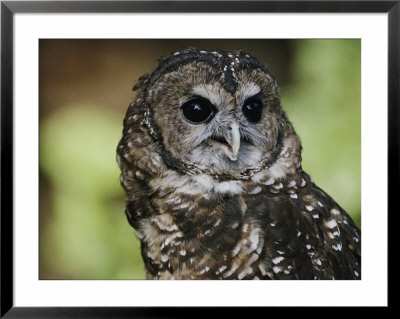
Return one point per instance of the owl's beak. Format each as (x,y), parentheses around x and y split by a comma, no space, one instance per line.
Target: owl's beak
(232,137)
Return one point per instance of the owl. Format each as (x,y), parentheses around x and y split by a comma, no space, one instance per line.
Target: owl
(212,175)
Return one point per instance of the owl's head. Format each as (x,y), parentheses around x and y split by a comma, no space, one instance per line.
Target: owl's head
(213,109)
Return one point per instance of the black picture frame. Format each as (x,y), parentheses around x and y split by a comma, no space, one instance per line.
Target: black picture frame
(9,8)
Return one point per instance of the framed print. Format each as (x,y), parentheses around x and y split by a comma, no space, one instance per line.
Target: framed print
(230,102)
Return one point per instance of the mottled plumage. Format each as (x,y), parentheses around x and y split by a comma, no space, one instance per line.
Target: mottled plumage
(211,169)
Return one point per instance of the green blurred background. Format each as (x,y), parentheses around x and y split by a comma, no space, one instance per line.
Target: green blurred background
(85,87)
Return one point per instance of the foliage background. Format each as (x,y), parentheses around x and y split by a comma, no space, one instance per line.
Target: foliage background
(84,91)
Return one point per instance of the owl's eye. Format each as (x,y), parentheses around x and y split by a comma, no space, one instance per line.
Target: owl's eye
(197,110)
(252,109)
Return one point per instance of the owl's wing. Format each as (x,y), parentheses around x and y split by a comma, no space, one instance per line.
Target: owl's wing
(306,236)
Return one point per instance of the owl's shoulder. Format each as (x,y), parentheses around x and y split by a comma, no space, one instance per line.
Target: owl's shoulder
(306,227)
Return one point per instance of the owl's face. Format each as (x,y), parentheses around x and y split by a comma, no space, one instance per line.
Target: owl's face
(215,109)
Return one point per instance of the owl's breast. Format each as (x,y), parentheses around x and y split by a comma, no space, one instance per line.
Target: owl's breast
(196,228)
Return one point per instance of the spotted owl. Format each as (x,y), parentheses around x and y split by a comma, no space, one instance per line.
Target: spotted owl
(212,174)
